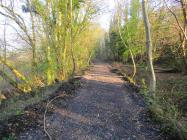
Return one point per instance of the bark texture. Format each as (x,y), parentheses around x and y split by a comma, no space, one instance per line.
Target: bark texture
(149,47)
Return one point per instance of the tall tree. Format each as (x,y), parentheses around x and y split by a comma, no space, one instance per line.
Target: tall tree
(149,47)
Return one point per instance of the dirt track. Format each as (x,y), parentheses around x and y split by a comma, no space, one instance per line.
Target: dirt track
(103,109)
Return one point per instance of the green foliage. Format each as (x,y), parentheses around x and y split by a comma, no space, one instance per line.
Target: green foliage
(131,25)
(116,45)
(165,34)
(125,36)
(62,42)
(77,3)
(58,39)
(19,112)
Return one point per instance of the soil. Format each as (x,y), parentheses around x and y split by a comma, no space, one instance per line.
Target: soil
(102,109)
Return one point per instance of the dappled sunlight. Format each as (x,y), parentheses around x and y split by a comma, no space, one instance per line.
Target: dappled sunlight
(104,78)
(99,110)
(101,73)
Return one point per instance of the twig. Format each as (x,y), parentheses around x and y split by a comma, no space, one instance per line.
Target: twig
(175,16)
(44,120)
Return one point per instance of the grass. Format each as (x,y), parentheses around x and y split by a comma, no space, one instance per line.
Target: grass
(169,107)
(171,99)
(16,104)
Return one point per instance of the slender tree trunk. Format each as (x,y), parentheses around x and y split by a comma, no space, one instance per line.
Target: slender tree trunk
(10,81)
(20,77)
(132,57)
(33,39)
(149,47)
(16,73)
(134,64)
(50,69)
(64,41)
(71,35)
(183,46)
(5,43)
(131,53)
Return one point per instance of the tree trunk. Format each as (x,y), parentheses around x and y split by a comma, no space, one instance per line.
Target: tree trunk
(33,38)
(152,86)
(131,53)
(50,69)
(10,81)
(183,46)
(71,36)
(16,73)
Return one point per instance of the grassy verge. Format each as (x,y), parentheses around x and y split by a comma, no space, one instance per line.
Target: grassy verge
(16,105)
(169,107)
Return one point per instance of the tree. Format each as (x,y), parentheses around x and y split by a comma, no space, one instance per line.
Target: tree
(130,29)
(149,47)
(183,30)
(8,11)
(55,33)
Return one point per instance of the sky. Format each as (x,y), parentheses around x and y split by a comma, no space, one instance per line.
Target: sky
(104,18)
(11,34)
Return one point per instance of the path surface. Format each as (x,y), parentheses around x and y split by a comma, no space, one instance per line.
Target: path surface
(101,110)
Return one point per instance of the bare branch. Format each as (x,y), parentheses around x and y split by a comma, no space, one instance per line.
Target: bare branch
(175,16)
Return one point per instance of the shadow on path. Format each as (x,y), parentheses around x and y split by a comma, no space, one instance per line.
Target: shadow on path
(102,109)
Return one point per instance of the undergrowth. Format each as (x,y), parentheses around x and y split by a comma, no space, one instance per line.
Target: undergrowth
(168,108)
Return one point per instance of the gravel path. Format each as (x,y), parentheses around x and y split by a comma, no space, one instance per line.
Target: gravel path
(103,109)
